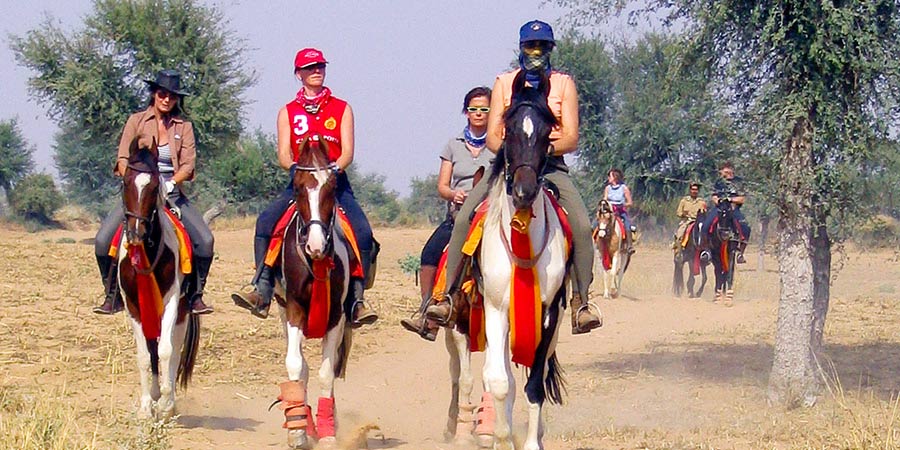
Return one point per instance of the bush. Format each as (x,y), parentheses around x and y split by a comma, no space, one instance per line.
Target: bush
(35,197)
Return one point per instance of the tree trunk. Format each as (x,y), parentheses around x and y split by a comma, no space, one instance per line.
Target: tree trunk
(793,381)
(821,281)
(214,212)
(763,236)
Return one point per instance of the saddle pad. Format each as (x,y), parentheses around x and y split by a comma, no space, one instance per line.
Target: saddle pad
(185,249)
(278,239)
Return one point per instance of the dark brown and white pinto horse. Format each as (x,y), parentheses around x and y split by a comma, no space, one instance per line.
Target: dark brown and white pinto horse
(166,334)
(688,251)
(522,261)
(609,239)
(311,291)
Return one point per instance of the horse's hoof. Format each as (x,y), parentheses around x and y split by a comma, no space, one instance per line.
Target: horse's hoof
(299,440)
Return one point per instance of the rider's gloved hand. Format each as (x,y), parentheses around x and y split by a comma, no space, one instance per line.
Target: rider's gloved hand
(170,187)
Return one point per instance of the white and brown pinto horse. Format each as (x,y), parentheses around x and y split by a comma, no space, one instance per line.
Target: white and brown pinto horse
(519,204)
(609,239)
(166,334)
(311,291)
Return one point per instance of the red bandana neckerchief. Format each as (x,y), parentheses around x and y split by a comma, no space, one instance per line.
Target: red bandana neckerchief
(314,103)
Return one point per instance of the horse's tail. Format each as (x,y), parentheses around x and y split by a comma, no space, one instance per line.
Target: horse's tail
(343,353)
(678,275)
(189,351)
(153,349)
(555,383)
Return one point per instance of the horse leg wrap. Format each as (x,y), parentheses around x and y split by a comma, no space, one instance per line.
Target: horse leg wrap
(485,416)
(297,414)
(325,416)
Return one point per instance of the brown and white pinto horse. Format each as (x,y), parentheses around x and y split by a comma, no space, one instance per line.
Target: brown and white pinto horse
(522,261)
(609,239)
(166,334)
(311,291)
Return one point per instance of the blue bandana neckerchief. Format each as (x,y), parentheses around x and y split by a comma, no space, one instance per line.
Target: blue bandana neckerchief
(476,142)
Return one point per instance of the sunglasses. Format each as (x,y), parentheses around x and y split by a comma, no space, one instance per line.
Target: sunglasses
(316,66)
(481,109)
(162,93)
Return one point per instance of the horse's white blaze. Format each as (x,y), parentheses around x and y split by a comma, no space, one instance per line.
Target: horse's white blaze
(316,240)
(140,182)
(527,126)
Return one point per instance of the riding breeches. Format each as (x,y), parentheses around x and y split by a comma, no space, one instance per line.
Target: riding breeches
(569,199)
(434,247)
(265,223)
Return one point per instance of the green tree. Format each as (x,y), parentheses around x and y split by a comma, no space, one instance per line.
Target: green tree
(424,203)
(15,155)
(380,204)
(36,198)
(640,113)
(92,79)
(818,83)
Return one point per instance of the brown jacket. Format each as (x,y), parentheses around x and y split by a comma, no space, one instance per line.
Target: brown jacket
(181,140)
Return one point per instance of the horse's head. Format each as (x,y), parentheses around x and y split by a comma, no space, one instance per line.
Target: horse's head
(140,191)
(529,122)
(605,220)
(725,224)
(315,182)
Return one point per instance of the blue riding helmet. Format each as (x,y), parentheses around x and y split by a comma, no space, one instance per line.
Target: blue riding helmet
(536,31)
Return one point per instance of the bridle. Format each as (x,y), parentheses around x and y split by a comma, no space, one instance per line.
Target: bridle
(303,226)
(510,172)
(148,221)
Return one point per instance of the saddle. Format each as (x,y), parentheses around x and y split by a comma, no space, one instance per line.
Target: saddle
(685,236)
(185,250)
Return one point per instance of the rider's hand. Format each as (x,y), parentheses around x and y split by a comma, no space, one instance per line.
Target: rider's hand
(459,196)
(170,187)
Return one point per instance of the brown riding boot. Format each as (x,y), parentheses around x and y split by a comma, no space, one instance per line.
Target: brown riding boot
(583,318)
(360,313)
(421,325)
(442,311)
(112,302)
(258,301)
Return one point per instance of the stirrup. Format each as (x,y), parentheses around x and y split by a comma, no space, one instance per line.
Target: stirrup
(440,320)
(589,306)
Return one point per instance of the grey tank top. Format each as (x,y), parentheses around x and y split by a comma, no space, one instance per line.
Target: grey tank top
(165,159)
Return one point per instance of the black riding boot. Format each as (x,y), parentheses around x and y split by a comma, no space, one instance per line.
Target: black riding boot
(112,302)
(358,312)
(195,294)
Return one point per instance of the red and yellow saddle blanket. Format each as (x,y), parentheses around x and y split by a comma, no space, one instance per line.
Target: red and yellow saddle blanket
(149,298)
(342,221)
(605,255)
(525,308)
(184,242)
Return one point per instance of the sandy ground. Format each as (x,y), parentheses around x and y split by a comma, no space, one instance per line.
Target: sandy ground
(663,372)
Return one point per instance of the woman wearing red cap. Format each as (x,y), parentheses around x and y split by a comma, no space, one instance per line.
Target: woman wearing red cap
(164,123)
(313,111)
(535,44)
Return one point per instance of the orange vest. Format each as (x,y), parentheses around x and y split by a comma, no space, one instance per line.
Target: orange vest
(554,100)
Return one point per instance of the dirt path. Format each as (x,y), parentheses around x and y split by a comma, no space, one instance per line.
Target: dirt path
(661,373)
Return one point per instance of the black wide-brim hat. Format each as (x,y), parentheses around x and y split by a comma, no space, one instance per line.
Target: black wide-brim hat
(169,80)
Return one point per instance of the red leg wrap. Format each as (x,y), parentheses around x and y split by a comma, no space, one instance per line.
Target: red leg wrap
(325,417)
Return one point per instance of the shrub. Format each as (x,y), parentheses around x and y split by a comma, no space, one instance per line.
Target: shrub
(35,197)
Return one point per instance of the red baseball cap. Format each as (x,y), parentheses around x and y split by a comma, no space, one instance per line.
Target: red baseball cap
(307,57)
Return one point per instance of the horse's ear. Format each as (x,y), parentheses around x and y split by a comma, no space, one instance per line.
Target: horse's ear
(544,84)
(478,175)
(133,148)
(518,83)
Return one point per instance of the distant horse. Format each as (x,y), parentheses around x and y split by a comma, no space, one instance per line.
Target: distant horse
(166,334)
(723,238)
(688,252)
(522,261)
(316,265)
(609,239)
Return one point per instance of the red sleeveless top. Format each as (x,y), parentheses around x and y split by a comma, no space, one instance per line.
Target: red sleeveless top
(327,123)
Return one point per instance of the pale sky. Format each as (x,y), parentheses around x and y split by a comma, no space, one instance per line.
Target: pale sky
(404,66)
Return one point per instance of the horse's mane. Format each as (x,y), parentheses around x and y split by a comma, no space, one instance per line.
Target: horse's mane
(533,97)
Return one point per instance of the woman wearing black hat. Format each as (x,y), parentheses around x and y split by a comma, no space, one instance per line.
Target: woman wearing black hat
(535,44)
(163,123)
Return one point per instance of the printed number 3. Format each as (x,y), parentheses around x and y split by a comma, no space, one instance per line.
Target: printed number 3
(301,126)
